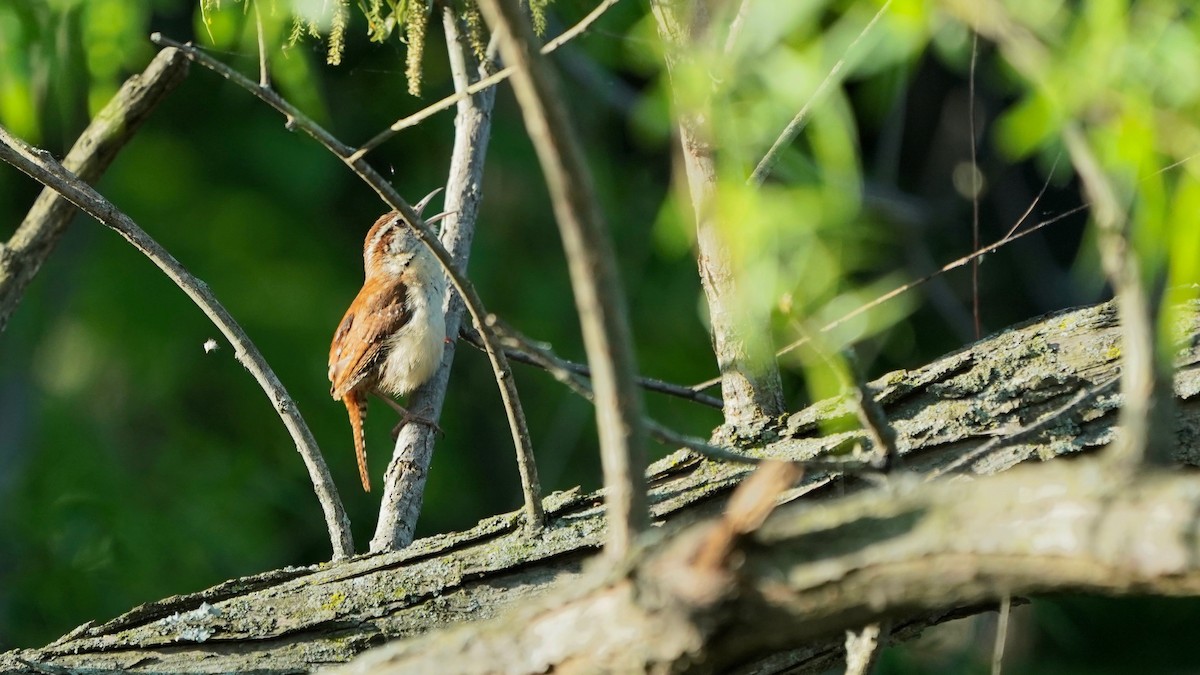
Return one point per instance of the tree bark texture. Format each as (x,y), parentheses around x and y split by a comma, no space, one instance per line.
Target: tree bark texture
(750,383)
(844,551)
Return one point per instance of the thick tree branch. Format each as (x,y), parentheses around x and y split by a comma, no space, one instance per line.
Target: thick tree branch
(750,383)
(810,573)
(599,298)
(955,545)
(97,147)
(42,167)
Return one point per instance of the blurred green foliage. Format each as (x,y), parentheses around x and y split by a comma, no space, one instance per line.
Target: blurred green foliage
(133,465)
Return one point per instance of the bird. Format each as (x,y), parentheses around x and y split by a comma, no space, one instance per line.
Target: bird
(392,337)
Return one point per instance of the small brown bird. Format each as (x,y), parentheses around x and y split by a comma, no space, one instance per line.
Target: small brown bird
(391,339)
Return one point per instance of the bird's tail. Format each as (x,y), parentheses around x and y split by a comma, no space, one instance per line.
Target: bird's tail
(356,406)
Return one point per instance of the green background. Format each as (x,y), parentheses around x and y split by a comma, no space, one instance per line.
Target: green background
(133,465)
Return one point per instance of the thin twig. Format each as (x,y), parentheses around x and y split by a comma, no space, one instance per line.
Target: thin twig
(767,163)
(41,166)
(735,26)
(976,186)
(648,383)
(489,81)
(1001,634)
(909,286)
(264,72)
(38,234)
(871,416)
(545,358)
(599,298)
(298,120)
(1033,204)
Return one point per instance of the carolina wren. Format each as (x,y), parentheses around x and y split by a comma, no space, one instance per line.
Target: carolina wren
(391,339)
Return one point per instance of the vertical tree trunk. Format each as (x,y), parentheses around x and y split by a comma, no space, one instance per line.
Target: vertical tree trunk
(404,485)
(750,382)
(750,385)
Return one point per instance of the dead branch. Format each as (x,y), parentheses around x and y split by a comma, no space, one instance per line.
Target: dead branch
(599,298)
(404,482)
(41,166)
(466,290)
(647,383)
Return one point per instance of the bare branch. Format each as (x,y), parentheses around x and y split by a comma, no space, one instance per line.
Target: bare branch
(113,126)
(793,128)
(404,482)
(911,285)
(41,166)
(1140,383)
(736,26)
(599,298)
(264,71)
(976,185)
(863,648)
(647,383)
(1001,633)
(485,83)
(297,119)
(871,416)
(751,389)
(546,359)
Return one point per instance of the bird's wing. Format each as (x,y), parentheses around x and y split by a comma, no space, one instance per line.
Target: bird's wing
(378,312)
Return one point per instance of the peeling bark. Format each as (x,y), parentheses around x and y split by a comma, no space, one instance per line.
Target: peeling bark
(844,553)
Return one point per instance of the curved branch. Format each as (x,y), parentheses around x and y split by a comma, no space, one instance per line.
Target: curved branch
(41,166)
(404,483)
(500,367)
(648,383)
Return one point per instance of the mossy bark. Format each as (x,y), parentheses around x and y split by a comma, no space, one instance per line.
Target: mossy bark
(848,550)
